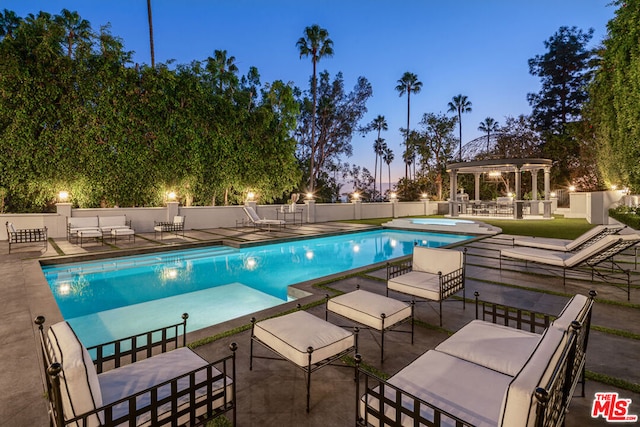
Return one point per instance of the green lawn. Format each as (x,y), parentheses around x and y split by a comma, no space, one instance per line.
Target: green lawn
(559,227)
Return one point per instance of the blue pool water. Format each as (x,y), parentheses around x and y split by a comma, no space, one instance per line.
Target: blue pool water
(117,297)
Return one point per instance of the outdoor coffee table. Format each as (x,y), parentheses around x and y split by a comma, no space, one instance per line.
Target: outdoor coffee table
(304,340)
(372,310)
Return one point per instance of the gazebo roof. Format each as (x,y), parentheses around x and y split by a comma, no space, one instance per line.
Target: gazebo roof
(499,165)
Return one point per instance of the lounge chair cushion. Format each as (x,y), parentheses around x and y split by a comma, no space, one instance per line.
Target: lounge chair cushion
(366,308)
(576,309)
(521,404)
(566,245)
(130,379)
(79,383)
(462,388)
(291,335)
(496,347)
(12,228)
(432,260)
(418,283)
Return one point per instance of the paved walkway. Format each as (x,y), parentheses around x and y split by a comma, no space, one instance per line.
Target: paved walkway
(273,394)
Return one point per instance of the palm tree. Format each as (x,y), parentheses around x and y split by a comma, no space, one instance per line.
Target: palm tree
(379,124)
(388,158)
(150,18)
(317,44)
(489,125)
(408,83)
(222,68)
(9,22)
(75,27)
(460,105)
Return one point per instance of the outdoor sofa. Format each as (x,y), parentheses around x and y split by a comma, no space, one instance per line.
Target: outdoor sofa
(79,227)
(431,274)
(492,372)
(149,379)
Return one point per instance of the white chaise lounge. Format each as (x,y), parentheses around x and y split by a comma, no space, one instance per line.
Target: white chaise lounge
(431,274)
(602,250)
(486,375)
(580,242)
(174,387)
(261,223)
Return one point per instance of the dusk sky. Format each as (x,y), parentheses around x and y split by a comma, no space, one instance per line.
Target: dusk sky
(478,48)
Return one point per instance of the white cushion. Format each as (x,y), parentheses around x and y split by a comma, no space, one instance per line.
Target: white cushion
(496,347)
(464,389)
(122,231)
(292,334)
(543,243)
(79,383)
(433,260)
(576,309)
(418,283)
(537,255)
(520,403)
(109,222)
(130,379)
(12,228)
(178,219)
(366,307)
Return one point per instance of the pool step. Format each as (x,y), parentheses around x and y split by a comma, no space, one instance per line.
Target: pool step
(139,261)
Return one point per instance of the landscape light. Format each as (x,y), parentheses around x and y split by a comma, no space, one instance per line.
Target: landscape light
(63,196)
(171,195)
(309,196)
(393,196)
(250,195)
(572,188)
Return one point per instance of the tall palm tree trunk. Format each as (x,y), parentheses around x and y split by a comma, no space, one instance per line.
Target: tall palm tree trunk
(153,53)
(312,163)
(406,139)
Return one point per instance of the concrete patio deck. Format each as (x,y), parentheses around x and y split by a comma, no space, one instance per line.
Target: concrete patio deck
(273,393)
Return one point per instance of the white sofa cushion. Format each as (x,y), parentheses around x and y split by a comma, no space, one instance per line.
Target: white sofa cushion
(496,347)
(433,260)
(84,222)
(366,308)
(108,223)
(576,309)
(130,379)
(418,283)
(520,403)
(290,336)
(79,383)
(464,389)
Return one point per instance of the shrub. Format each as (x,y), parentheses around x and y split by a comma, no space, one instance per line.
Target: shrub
(627,215)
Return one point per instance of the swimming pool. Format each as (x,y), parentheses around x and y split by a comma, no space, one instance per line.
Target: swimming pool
(117,297)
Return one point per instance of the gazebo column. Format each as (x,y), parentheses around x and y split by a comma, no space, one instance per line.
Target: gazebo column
(477,175)
(518,210)
(547,193)
(534,192)
(453,189)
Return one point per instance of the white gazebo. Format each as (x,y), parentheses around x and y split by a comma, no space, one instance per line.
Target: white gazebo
(499,166)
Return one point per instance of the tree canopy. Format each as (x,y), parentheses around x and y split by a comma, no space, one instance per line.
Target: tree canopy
(614,107)
(76,115)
